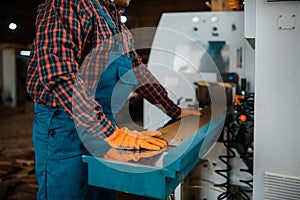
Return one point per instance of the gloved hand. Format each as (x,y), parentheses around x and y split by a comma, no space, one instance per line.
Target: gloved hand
(125,156)
(186,112)
(126,139)
(142,133)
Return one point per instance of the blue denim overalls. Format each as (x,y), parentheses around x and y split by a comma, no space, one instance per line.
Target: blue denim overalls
(115,84)
(60,172)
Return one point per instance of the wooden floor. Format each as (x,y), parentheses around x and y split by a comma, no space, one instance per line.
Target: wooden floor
(17,179)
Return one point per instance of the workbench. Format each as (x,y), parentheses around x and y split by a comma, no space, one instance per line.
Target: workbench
(156,174)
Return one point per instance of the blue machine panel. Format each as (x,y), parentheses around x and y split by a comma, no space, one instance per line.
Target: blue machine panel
(159,175)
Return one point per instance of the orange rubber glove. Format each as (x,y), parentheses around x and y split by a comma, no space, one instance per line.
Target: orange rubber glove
(142,133)
(186,112)
(126,139)
(125,156)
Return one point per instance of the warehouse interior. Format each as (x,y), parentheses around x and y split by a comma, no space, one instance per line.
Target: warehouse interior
(236,61)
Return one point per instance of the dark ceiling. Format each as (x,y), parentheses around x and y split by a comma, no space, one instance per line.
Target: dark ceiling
(21,12)
(140,13)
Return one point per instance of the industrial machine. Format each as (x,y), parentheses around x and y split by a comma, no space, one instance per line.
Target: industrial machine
(274,26)
(192,54)
(191,60)
(266,36)
(194,47)
(156,174)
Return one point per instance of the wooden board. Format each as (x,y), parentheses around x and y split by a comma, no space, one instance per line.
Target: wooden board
(177,132)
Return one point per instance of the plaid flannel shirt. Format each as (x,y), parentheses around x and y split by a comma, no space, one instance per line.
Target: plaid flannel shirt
(61,66)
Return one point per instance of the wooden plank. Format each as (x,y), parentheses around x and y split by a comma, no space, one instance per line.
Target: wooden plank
(2,172)
(36,186)
(5,163)
(23,173)
(25,162)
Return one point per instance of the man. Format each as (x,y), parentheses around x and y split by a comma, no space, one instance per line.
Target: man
(67,34)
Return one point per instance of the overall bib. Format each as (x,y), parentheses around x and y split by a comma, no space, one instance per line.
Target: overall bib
(118,79)
(115,85)
(60,172)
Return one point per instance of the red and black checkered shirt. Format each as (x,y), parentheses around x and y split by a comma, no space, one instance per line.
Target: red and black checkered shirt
(67,33)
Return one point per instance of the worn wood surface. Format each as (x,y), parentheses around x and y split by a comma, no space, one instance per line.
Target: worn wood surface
(177,132)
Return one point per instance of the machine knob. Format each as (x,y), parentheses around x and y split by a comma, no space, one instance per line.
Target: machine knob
(243,118)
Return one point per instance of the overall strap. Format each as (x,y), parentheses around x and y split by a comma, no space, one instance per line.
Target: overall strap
(107,18)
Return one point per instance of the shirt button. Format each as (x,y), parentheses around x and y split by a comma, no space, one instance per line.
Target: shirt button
(51,133)
(57,112)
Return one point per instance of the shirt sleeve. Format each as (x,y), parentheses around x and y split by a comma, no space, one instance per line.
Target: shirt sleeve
(62,29)
(152,90)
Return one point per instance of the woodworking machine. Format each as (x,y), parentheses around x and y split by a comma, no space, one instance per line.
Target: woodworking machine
(156,174)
